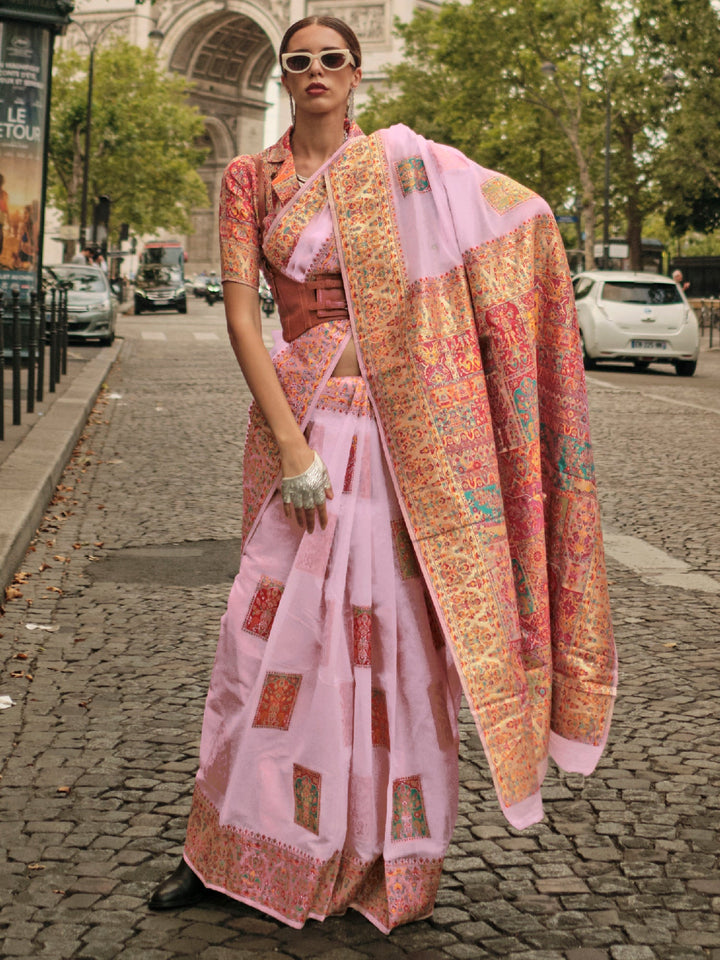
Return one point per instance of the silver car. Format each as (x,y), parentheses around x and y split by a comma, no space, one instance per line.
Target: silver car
(642,318)
(92,306)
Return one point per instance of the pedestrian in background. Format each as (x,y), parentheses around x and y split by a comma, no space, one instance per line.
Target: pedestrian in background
(678,278)
(420,515)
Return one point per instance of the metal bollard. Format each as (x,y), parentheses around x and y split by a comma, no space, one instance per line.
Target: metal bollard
(53,341)
(2,368)
(17,356)
(41,346)
(713,315)
(32,353)
(64,331)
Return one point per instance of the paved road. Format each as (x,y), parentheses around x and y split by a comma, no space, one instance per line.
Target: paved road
(109,647)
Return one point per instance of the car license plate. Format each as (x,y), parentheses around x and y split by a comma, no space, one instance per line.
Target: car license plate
(648,344)
(161,303)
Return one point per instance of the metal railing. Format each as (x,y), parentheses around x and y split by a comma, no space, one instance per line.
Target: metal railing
(708,314)
(38,342)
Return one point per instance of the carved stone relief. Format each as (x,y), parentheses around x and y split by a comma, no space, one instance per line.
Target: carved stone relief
(369,20)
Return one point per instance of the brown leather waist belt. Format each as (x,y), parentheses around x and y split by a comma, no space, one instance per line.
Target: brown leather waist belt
(304,304)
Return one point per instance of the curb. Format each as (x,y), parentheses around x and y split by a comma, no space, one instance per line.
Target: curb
(30,474)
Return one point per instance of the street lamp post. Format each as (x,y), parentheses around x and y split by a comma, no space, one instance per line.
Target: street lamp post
(154,34)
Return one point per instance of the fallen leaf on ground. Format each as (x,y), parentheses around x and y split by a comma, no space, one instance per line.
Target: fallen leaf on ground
(35,866)
(20,656)
(61,558)
(63,789)
(12,593)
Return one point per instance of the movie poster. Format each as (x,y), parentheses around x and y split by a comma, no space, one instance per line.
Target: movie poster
(24,64)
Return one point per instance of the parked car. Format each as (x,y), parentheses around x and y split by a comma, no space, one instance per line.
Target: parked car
(49,281)
(160,287)
(91,303)
(199,285)
(641,318)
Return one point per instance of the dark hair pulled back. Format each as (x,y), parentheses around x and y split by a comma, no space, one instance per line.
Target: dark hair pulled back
(334,23)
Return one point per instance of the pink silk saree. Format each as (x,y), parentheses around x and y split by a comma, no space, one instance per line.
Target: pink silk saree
(462,311)
(328,775)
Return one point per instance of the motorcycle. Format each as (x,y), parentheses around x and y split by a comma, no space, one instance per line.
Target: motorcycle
(213,290)
(267,304)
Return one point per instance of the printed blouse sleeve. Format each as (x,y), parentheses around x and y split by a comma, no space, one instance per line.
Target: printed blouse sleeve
(239,234)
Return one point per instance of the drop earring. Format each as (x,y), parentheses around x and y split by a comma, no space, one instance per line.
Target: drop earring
(350,112)
(292,110)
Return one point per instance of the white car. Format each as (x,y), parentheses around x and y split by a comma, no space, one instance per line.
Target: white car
(643,318)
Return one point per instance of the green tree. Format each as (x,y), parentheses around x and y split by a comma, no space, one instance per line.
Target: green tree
(518,87)
(144,137)
(688,164)
(528,88)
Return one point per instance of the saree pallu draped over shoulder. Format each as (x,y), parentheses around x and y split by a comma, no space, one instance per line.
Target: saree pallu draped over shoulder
(462,311)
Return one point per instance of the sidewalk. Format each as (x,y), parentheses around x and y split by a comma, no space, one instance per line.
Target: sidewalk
(34,454)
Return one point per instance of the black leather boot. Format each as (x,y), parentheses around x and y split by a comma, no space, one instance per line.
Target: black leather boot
(181,889)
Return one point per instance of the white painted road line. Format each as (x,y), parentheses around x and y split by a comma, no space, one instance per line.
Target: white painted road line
(682,403)
(153,335)
(654,566)
(653,396)
(205,336)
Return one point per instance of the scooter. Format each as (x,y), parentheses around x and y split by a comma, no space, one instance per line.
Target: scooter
(267,304)
(213,290)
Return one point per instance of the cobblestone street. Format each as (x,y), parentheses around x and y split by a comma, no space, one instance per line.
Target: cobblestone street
(107,644)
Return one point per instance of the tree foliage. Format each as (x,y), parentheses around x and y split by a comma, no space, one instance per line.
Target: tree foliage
(525,88)
(143,151)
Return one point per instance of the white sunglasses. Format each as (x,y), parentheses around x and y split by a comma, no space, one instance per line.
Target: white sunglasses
(329,59)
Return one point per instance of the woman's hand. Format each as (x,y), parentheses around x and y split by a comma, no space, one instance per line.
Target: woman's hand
(305,491)
(242,309)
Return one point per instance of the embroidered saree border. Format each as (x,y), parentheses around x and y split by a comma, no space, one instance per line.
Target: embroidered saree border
(295,886)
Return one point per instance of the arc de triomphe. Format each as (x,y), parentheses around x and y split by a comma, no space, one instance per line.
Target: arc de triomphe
(228,50)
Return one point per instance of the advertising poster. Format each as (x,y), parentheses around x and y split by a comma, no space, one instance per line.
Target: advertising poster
(24,65)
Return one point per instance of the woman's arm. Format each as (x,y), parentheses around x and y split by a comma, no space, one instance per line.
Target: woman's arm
(242,310)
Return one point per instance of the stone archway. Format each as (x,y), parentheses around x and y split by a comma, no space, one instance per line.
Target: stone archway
(228,55)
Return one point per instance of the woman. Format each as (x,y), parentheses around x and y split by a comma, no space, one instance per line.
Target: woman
(424,417)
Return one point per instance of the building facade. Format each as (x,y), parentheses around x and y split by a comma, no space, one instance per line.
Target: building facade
(228,50)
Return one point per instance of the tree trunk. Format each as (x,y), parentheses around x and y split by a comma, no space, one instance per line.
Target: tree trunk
(632,202)
(588,196)
(588,210)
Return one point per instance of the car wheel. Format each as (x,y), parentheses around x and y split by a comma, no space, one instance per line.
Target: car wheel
(182,308)
(108,340)
(138,308)
(685,368)
(588,361)
(641,365)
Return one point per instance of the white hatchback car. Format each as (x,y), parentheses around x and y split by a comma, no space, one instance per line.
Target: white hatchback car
(643,318)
